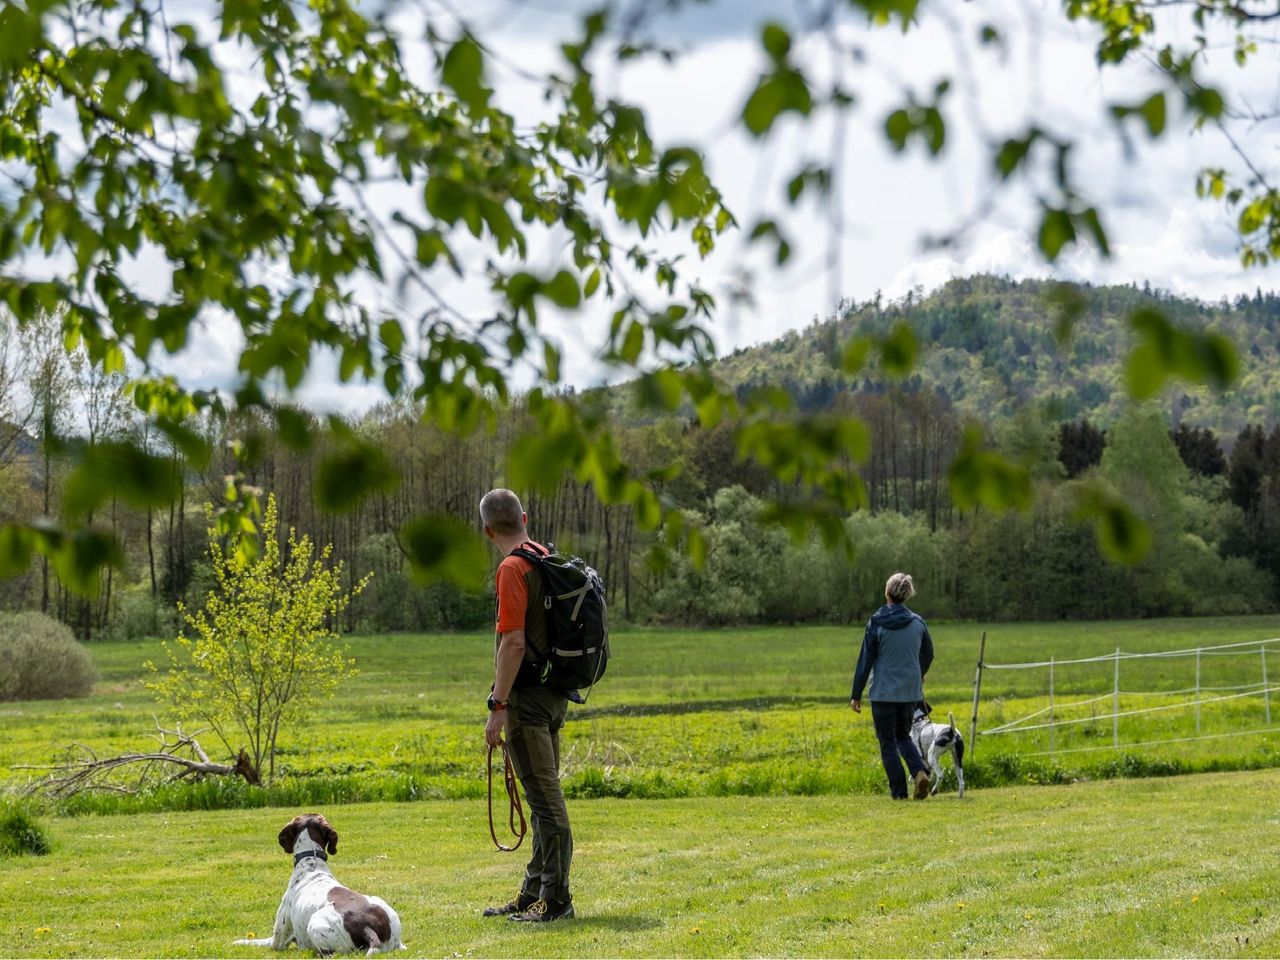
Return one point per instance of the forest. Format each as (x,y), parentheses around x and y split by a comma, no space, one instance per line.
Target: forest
(1202,469)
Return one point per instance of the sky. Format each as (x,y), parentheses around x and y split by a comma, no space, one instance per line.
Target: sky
(888,204)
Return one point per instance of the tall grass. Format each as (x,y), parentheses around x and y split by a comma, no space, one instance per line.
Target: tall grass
(20,833)
(681,714)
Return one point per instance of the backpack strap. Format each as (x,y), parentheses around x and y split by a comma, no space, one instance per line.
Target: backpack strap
(529,551)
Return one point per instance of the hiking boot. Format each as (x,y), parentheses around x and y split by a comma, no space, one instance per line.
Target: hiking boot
(922,784)
(545,912)
(522,902)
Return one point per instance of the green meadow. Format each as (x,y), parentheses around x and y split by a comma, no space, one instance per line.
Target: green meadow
(699,713)
(726,802)
(1180,866)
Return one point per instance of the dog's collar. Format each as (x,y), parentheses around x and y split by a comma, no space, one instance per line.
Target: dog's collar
(315,853)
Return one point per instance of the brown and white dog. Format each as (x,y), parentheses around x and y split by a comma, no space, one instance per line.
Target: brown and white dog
(318,912)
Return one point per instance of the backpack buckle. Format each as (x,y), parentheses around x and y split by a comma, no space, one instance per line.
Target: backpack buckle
(546,602)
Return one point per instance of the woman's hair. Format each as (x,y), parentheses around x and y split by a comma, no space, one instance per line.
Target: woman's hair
(899,587)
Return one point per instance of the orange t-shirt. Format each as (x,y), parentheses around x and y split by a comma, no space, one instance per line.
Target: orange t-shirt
(513,589)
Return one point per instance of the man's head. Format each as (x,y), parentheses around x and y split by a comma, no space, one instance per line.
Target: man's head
(898,588)
(502,515)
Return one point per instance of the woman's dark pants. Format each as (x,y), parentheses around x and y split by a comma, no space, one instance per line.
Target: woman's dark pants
(893,729)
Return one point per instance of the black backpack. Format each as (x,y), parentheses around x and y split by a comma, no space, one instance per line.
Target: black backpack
(577,624)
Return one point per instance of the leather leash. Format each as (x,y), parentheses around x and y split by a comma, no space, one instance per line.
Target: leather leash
(513,796)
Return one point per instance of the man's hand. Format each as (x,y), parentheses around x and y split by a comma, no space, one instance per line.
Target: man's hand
(857,705)
(493,727)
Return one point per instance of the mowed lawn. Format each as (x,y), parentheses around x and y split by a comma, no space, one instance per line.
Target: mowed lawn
(1170,867)
(696,713)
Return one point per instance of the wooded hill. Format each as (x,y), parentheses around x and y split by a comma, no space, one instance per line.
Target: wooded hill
(988,345)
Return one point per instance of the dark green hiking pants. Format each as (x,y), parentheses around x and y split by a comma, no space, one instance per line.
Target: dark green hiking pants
(534,718)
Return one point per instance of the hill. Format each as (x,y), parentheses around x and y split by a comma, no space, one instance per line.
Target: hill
(987,345)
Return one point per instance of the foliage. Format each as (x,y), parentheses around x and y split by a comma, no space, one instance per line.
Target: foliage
(166,163)
(20,832)
(261,660)
(140,615)
(40,659)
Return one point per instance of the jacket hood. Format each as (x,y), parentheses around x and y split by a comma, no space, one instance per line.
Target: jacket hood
(892,617)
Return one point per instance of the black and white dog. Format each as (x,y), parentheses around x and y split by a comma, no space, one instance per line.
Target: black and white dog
(935,739)
(317,912)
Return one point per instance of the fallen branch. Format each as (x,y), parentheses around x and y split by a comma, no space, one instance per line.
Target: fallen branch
(179,757)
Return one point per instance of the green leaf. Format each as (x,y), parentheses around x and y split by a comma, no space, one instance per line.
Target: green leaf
(21,32)
(1056,231)
(551,362)
(776,94)
(983,477)
(1121,534)
(193,446)
(776,41)
(562,290)
(898,351)
(1013,153)
(1153,111)
(392,336)
(1145,371)
(442,547)
(120,469)
(1218,363)
(16,550)
(660,390)
(463,71)
(79,558)
(294,428)
(696,547)
(897,127)
(344,479)
(854,355)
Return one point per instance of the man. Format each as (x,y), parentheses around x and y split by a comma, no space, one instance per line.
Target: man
(896,652)
(531,715)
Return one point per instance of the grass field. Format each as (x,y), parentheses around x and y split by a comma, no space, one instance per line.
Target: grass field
(685,713)
(1170,867)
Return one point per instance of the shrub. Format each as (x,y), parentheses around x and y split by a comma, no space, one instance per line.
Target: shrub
(20,833)
(261,656)
(40,659)
(140,615)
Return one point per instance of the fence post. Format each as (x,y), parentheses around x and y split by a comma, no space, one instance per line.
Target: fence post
(977,689)
(1115,706)
(1266,690)
(1197,689)
(1052,729)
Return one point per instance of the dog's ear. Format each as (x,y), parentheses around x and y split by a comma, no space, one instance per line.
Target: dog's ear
(331,838)
(290,834)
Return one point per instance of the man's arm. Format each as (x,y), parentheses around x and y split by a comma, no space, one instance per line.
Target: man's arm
(510,656)
(507,665)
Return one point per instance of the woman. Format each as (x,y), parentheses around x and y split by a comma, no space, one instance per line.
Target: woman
(896,653)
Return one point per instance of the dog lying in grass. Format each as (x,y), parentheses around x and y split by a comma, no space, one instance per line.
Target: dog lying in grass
(317,912)
(935,739)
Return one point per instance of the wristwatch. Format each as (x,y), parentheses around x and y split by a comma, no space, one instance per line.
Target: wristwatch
(495,704)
